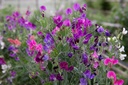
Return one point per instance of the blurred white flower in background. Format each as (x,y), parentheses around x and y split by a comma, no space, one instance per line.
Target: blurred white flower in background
(122,49)
(1,42)
(5,67)
(122,56)
(124,32)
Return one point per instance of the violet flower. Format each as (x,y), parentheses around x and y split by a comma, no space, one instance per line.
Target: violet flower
(52,77)
(100,29)
(2,61)
(59,77)
(68,11)
(85,58)
(83,81)
(63,65)
(88,74)
(67,23)
(87,38)
(70,54)
(76,7)
(42,8)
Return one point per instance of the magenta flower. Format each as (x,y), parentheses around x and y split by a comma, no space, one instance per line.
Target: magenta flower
(96,64)
(63,65)
(87,38)
(67,23)
(119,82)
(76,7)
(52,77)
(39,47)
(57,19)
(2,61)
(110,61)
(59,77)
(70,68)
(42,8)
(95,55)
(111,75)
(68,11)
(28,12)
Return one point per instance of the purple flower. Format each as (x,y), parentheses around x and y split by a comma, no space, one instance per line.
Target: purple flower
(85,58)
(88,74)
(57,19)
(39,33)
(107,33)
(75,47)
(88,36)
(28,12)
(13,74)
(100,57)
(70,68)
(17,58)
(30,53)
(16,14)
(83,15)
(42,8)
(37,59)
(76,7)
(2,61)
(68,11)
(63,65)
(100,29)
(84,7)
(52,77)
(70,54)
(83,81)
(67,23)
(45,57)
(59,77)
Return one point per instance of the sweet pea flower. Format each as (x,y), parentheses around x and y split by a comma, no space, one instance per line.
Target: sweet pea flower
(42,8)
(119,82)
(122,56)
(1,42)
(110,61)
(68,11)
(124,32)
(95,55)
(63,65)
(67,23)
(76,7)
(83,81)
(2,61)
(122,49)
(111,75)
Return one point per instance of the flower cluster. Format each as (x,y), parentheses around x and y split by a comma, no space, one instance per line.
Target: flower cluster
(68,49)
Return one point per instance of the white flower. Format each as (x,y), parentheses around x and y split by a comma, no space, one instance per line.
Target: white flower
(5,67)
(2,44)
(122,49)
(122,56)
(124,32)
(114,39)
(109,38)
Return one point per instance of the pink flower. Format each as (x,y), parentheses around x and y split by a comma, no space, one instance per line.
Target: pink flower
(39,47)
(110,61)
(111,75)
(95,55)
(32,44)
(96,64)
(119,82)
(55,30)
